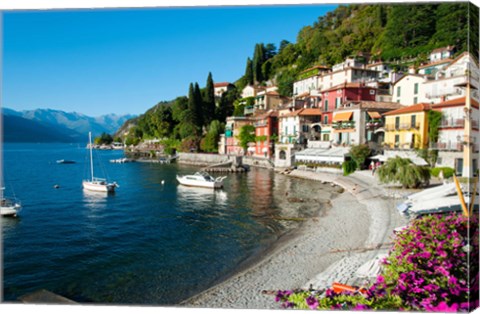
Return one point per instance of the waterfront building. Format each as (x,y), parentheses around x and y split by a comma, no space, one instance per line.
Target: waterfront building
(442,53)
(266,133)
(360,122)
(406,128)
(298,126)
(433,67)
(232,130)
(349,71)
(450,144)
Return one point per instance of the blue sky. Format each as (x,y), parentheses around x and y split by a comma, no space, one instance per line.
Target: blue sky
(99,61)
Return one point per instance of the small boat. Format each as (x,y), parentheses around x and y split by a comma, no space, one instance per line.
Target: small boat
(64,161)
(121,160)
(8,207)
(201,179)
(97,184)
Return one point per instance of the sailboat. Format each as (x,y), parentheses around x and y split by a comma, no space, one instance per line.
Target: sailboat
(97,184)
(8,207)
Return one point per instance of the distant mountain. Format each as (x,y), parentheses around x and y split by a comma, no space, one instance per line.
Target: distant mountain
(68,122)
(18,129)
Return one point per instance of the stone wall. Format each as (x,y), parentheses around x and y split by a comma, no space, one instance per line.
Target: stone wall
(257,162)
(201,159)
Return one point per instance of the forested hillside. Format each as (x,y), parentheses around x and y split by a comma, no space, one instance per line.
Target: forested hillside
(387,32)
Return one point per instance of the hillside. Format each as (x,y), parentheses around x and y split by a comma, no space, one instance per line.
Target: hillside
(18,129)
(398,33)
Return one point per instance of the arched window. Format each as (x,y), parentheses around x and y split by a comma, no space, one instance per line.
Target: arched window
(282,155)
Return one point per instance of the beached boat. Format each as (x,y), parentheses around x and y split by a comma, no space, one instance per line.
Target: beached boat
(97,184)
(201,179)
(8,206)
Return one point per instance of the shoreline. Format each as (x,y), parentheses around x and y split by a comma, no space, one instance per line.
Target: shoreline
(324,249)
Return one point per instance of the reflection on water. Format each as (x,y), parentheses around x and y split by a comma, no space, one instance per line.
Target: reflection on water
(153,242)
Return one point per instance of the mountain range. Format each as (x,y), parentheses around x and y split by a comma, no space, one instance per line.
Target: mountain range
(48,125)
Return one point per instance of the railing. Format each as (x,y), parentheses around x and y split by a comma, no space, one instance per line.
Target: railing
(451,146)
(402,126)
(372,124)
(248,110)
(343,125)
(260,123)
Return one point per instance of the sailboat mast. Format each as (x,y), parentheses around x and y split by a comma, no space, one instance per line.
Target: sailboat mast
(91,156)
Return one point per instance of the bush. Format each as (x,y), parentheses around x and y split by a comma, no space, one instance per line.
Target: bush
(447,172)
(360,153)
(403,171)
(349,166)
(433,266)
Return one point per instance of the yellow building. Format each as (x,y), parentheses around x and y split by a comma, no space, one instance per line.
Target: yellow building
(407,128)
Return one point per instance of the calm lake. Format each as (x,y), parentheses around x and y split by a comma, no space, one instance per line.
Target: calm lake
(149,243)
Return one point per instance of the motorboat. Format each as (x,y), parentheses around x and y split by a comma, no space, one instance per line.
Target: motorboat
(97,184)
(64,161)
(121,160)
(201,179)
(9,207)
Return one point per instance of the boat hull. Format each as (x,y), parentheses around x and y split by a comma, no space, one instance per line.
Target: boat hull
(200,184)
(99,187)
(9,211)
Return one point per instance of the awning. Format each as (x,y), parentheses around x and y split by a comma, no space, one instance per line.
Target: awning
(374,115)
(342,116)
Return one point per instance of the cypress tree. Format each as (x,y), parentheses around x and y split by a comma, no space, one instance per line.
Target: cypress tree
(198,104)
(249,72)
(258,59)
(209,101)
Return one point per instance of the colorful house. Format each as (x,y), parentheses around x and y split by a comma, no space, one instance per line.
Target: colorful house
(450,142)
(266,132)
(222,87)
(299,126)
(409,89)
(333,98)
(232,130)
(406,128)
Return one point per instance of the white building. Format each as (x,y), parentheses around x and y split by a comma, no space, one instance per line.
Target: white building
(308,80)
(451,133)
(442,53)
(220,88)
(448,80)
(251,91)
(409,90)
(347,75)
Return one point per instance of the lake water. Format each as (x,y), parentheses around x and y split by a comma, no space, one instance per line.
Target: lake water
(149,243)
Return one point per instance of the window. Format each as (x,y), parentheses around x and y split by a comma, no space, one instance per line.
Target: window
(325,108)
(398,91)
(415,88)
(282,155)
(397,123)
(294,130)
(304,128)
(413,121)
(397,140)
(372,92)
(415,100)
(325,119)
(286,130)
(326,137)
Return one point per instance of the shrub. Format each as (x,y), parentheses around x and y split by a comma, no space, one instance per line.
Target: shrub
(403,171)
(349,166)
(360,153)
(447,172)
(433,266)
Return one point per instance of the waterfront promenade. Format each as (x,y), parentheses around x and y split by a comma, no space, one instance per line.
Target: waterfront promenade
(358,226)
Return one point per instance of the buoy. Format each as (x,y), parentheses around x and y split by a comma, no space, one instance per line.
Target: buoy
(56,186)
(163,181)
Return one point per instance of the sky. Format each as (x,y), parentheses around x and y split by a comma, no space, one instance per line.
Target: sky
(101,61)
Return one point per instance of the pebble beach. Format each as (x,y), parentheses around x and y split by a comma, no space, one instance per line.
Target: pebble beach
(329,248)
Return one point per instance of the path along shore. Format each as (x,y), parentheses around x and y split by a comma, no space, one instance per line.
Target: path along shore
(327,249)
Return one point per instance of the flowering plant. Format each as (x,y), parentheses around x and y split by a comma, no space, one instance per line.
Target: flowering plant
(432,266)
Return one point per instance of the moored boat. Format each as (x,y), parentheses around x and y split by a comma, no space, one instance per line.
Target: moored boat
(8,206)
(201,179)
(64,161)
(97,184)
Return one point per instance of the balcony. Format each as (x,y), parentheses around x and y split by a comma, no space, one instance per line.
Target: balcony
(402,126)
(452,123)
(248,110)
(343,125)
(373,124)
(450,146)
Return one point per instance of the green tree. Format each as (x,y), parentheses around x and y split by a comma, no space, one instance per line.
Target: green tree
(258,59)
(209,100)
(210,142)
(403,171)
(249,72)
(359,153)
(246,135)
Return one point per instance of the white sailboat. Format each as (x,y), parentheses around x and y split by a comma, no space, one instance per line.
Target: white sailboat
(8,207)
(97,184)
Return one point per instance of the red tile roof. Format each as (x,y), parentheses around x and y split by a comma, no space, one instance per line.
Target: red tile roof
(222,84)
(347,85)
(414,108)
(457,102)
